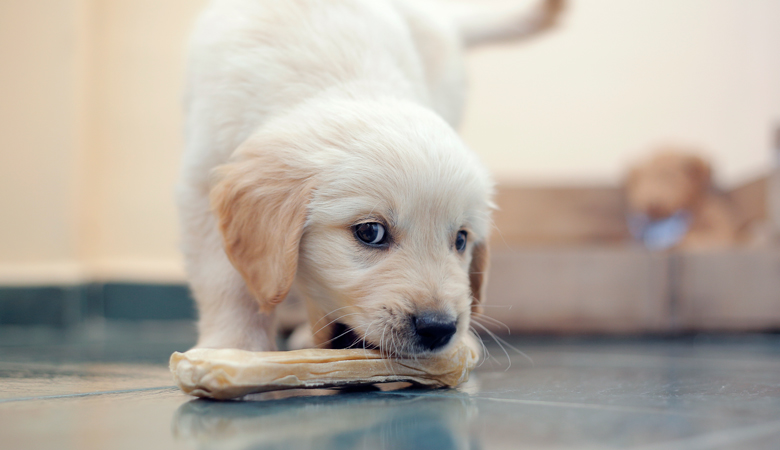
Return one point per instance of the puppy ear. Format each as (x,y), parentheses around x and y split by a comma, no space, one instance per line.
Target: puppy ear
(480,260)
(261,204)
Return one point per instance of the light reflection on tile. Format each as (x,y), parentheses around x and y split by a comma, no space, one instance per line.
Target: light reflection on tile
(641,394)
(348,421)
(46,379)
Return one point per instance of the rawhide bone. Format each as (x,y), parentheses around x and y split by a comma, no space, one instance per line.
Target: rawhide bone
(229,373)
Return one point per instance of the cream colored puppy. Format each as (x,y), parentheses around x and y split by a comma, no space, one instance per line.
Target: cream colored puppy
(321,151)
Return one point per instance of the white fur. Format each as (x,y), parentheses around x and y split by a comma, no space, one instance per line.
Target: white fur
(360,97)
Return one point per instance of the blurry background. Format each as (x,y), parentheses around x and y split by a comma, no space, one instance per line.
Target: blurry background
(91,135)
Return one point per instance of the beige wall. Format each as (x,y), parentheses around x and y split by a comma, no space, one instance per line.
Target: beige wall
(90,121)
(623,75)
(41,135)
(90,136)
(137,126)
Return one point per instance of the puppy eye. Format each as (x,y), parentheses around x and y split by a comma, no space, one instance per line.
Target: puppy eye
(460,241)
(371,233)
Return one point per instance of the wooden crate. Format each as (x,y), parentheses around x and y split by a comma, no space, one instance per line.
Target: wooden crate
(585,290)
(563,261)
(736,290)
(559,216)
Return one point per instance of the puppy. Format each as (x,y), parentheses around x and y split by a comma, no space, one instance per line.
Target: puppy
(320,152)
(674,205)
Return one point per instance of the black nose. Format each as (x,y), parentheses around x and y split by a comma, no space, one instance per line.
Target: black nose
(434,330)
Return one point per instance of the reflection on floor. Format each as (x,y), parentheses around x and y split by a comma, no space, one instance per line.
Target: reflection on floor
(107,386)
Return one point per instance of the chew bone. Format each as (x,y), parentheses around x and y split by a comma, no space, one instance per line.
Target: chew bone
(229,373)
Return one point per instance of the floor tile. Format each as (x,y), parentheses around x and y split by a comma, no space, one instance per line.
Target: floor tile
(22,381)
(111,389)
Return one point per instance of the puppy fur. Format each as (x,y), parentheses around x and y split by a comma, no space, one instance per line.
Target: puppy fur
(305,118)
(676,179)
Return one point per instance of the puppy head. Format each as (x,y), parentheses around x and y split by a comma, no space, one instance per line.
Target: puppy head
(670,181)
(380,209)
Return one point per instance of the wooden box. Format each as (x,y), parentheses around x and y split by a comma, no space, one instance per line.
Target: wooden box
(563,262)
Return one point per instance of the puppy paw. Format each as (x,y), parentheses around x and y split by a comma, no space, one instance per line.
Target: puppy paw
(300,338)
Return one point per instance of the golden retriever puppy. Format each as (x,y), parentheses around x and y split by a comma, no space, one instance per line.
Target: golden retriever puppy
(674,205)
(321,152)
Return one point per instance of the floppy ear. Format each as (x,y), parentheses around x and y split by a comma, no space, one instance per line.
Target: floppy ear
(480,259)
(261,204)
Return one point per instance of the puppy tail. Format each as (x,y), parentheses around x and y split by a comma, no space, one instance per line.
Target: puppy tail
(479,23)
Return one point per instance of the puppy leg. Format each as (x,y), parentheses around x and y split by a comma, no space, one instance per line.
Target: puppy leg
(320,325)
(480,23)
(229,316)
(301,338)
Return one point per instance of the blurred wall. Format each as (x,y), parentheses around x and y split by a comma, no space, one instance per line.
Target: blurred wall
(90,137)
(136,119)
(90,120)
(620,76)
(43,68)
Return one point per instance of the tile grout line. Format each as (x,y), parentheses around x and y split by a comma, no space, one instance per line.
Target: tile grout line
(84,394)
(593,406)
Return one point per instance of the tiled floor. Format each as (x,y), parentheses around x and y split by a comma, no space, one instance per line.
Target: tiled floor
(108,387)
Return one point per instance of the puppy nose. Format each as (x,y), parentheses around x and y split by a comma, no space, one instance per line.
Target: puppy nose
(434,330)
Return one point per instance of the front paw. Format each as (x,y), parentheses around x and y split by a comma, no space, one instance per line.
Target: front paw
(300,338)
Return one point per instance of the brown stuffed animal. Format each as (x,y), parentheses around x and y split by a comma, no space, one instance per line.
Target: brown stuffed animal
(672,203)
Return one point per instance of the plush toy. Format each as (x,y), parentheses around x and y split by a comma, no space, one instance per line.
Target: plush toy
(673,204)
